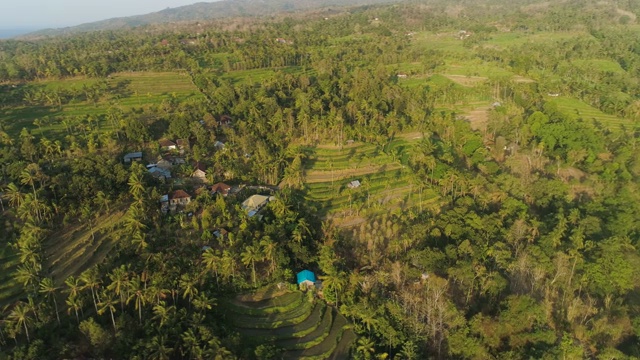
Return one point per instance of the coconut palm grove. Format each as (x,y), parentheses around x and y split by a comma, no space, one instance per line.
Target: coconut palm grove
(369,180)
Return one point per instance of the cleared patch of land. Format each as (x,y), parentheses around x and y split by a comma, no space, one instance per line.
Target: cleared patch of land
(478,117)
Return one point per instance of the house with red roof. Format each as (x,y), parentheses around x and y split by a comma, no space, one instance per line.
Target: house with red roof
(166,144)
(179,198)
(220,188)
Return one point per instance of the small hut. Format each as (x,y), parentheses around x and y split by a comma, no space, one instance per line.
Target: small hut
(306,278)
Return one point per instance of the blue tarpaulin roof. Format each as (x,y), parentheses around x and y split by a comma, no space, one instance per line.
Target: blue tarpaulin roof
(306,275)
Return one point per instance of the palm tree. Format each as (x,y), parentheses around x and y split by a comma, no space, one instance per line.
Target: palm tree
(250,255)
(108,303)
(29,176)
(134,219)
(228,266)
(162,313)
(138,294)
(365,347)
(188,286)
(269,248)
(20,315)
(158,349)
(27,275)
(334,281)
(202,302)
(211,262)
(138,240)
(91,279)
(102,200)
(13,194)
(74,285)
(119,278)
(136,187)
(74,302)
(48,288)
(191,344)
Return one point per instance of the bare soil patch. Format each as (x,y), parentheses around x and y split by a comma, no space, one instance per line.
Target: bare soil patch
(478,117)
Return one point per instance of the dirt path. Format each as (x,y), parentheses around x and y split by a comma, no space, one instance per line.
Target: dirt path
(317,176)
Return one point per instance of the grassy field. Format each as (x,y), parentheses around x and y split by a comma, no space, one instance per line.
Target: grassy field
(515,38)
(577,109)
(601,65)
(259,75)
(446,42)
(135,90)
(309,330)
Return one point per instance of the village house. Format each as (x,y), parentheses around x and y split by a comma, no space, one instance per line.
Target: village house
(221,234)
(167,145)
(182,144)
(225,120)
(306,279)
(175,160)
(254,204)
(219,145)
(134,156)
(178,198)
(160,173)
(164,164)
(402,76)
(164,203)
(220,188)
(354,184)
(200,173)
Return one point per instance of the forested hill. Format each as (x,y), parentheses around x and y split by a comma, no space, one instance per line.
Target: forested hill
(205,11)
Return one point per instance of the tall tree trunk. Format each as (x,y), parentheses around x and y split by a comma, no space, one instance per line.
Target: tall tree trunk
(55,304)
(113,320)
(93,294)
(26,330)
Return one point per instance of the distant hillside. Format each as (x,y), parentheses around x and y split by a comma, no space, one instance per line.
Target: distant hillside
(206,11)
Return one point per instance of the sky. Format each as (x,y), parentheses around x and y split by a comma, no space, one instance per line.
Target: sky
(39,14)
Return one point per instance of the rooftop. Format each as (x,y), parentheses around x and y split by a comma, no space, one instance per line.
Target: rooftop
(166,143)
(133,155)
(180,194)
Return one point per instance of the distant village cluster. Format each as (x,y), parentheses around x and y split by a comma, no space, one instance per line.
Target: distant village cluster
(173,154)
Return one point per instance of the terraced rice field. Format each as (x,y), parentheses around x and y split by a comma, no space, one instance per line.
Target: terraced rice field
(67,252)
(137,90)
(295,322)
(74,250)
(386,180)
(577,109)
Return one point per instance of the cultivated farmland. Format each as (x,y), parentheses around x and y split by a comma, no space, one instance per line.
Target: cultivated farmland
(297,323)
